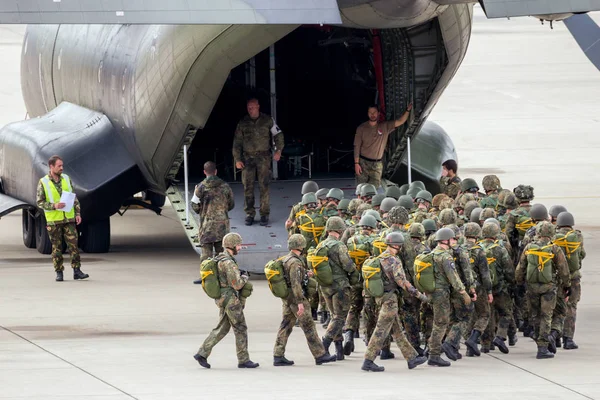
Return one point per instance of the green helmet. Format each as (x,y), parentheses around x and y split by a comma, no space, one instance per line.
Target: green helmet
(418,184)
(444,234)
(475,214)
(404,188)
(407,202)
(231,240)
(368,190)
(546,229)
(510,201)
(437,199)
(335,224)
(361,209)
(335,193)
(394,239)
(393,191)
(468,184)
(377,199)
(472,230)
(555,210)
(487,213)
(310,187)
(425,195)
(369,221)
(463,200)
(343,204)
(398,215)
(565,219)
(538,212)
(490,230)
(448,216)
(358,187)
(309,198)
(490,183)
(353,205)
(429,225)
(322,193)
(502,196)
(524,192)
(296,242)
(493,221)
(469,207)
(416,230)
(374,213)
(413,192)
(387,204)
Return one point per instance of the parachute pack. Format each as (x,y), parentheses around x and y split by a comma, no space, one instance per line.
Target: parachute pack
(358,248)
(523,224)
(539,263)
(274,272)
(209,273)
(570,244)
(371,273)
(311,226)
(491,260)
(318,260)
(424,274)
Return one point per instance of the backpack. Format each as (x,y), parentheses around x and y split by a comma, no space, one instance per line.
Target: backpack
(423,272)
(539,263)
(491,260)
(275,274)
(372,275)
(523,224)
(571,246)
(311,226)
(209,273)
(358,248)
(318,260)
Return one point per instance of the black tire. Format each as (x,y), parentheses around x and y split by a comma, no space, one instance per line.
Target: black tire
(28,223)
(95,237)
(42,240)
(157,200)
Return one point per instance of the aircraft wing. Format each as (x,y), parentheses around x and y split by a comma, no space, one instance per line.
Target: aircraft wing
(522,8)
(587,33)
(169,12)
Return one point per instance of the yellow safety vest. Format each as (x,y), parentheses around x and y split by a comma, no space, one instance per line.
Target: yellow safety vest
(53,197)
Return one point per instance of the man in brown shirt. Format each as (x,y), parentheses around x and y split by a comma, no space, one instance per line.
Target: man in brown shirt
(369,144)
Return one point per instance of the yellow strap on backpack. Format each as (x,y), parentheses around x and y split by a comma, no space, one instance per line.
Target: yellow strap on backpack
(543,257)
(490,260)
(316,260)
(569,247)
(421,266)
(525,225)
(359,256)
(271,273)
(310,227)
(369,272)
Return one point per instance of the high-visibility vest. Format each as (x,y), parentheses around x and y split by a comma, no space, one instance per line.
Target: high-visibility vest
(52,196)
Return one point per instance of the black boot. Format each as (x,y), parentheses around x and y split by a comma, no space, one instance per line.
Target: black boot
(543,352)
(248,364)
(438,361)
(325,358)
(552,341)
(59,276)
(485,348)
(327,319)
(201,360)
(569,344)
(369,365)
(356,335)
(418,360)
(419,350)
(282,361)
(470,352)
(498,341)
(326,343)
(558,342)
(264,220)
(472,343)
(450,351)
(77,274)
(512,339)
(348,342)
(314,315)
(527,330)
(339,350)
(386,354)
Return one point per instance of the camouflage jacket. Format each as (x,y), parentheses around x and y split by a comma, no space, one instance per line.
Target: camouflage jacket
(512,220)
(407,254)
(479,264)
(450,186)
(343,268)
(213,199)
(465,271)
(446,277)
(253,137)
(393,275)
(561,276)
(230,279)
(490,201)
(295,273)
(296,208)
(44,204)
(505,269)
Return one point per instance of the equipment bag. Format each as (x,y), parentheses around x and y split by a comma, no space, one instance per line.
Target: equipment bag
(275,276)
(318,260)
(209,273)
(539,263)
(371,273)
(359,247)
(524,223)
(424,274)
(246,291)
(491,260)
(311,227)
(570,244)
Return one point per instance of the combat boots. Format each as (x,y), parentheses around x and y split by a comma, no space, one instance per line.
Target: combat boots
(499,342)
(552,341)
(543,352)
(77,274)
(339,350)
(59,276)
(348,342)
(201,360)
(470,352)
(386,354)
(512,338)
(326,343)
(418,360)
(450,351)
(569,344)
(248,364)
(438,361)
(282,361)
(558,342)
(325,358)
(327,319)
(472,343)
(369,365)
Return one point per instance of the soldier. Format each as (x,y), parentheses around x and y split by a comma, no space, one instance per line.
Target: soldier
(430,229)
(61,225)
(506,205)
(296,306)
(518,220)
(413,191)
(491,185)
(450,182)
(407,202)
(393,191)
(307,187)
(460,204)
(351,230)
(411,306)
(322,196)
(342,209)
(448,219)
(423,201)
(231,306)
(212,201)
(571,241)
(352,208)
(475,215)
(370,142)
(470,186)
(543,266)
(333,198)
(554,211)
(376,201)
(310,221)
(251,153)
(392,275)
(386,205)
(367,191)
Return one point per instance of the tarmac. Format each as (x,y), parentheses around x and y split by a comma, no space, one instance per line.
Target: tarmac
(524,106)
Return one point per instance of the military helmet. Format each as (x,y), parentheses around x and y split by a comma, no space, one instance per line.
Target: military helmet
(369,221)
(377,199)
(387,204)
(309,198)
(490,230)
(475,214)
(524,192)
(335,224)
(510,201)
(555,210)
(468,184)
(368,190)
(490,183)
(446,202)
(502,196)
(538,212)
(358,187)
(487,213)
(565,219)
(407,202)
(472,230)
(398,215)
(444,234)
(231,240)
(394,239)
(353,205)
(437,199)
(374,213)
(448,216)
(416,230)
(469,207)
(463,200)
(296,242)
(393,191)
(361,209)
(546,229)
(413,192)
(418,184)
(310,187)
(493,221)
(335,193)
(343,204)
(425,195)
(404,188)
(429,225)
(322,193)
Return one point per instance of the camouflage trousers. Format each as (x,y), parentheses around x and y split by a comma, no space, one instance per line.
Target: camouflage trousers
(560,311)
(313,293)
(371,172)
(409,315)
(211,250)
(67,233)
(521,307)
(426,320)
(231,315)
(370,314)
(481,312)
(569,326)
(256,167)
(290,315)
(338,303)
(502,307)
(440,302)
(356,306)
(459,319)
(542,299)
(388,321)
(322,302)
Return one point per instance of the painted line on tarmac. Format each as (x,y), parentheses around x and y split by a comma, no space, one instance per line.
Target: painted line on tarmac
(68,362)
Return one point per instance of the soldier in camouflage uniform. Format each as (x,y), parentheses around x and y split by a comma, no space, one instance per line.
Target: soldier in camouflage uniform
(436,202)
(542,296)
(393,191)
(411,309)
(290,223)
(343,212)
(459,207)
(376,201)
(231,306)
(351,230)
(61,225)
(423,201)
(296,306)
(212,200)
(489,213)
(491,185)
(554,211)
(386,205)
(469,207)
(449,219)
(334,196)
(518,220)
(450,182)
(252,154)
(353,208)
(367,191)
(506,204)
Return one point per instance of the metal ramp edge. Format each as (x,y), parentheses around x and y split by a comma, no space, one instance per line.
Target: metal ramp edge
(188,221)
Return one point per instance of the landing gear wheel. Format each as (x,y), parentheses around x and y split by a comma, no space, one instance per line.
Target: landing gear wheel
(157,200)
(42,240)
(28,223)
(95,236)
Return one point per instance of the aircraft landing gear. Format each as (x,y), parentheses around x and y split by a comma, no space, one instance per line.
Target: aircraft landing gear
(42,240)
(95,236)
(28,223)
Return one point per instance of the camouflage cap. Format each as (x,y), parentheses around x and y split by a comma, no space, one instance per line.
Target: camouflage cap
(310,187)
(296,242)
(437,199)
(322,193)
(538,212)
(353,205)
(343,204)
(394,239)
(469,207)
(368,190)
(487,213)
(335,193)
(424,195)
(231,240)
(418,184)
(565,219)
(524,192)
(369,221)
(413,192)
(398,215)
(404,188)
(407,202)
(429,225)
(545,229)
(335,224)
(444,234)
(309,198)
(490,183)
(393,191)
(387,204)
(448,216)
(475,214)
(472,230)
(416,230)
(468,184)
(490,230)
(374,213)
(377,199)
(360,210)
(556,209)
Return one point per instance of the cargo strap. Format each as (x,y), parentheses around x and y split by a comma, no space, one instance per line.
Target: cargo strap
(204,275)
(525,225)
(421,266)
(407,226)
(386,226)
(359,256)
(543,257)
(491,260)
(309,227)
(270,273)
(569,247)
(380,245)
(369,272)
(316,260)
